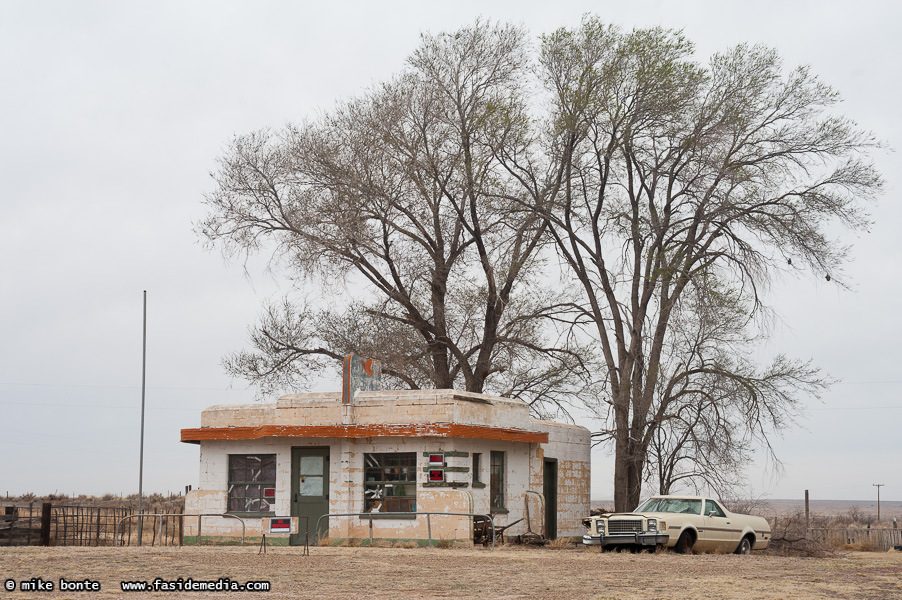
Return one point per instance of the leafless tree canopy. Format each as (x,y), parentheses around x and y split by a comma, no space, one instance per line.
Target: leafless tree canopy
(664,178)
(714,405)
(667,192)
(401,190)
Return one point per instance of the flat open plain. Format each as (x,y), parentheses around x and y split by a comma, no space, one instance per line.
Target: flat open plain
(509,572)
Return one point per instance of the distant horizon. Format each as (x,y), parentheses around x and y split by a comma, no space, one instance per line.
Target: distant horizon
(871,502)
(813,501)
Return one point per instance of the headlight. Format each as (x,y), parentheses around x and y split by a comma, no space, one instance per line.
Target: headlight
(599,527)
(652,524)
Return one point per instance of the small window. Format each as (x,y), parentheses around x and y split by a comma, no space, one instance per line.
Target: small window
(252,482)
(477,478)
(390,482)
(712,507)
(496,483)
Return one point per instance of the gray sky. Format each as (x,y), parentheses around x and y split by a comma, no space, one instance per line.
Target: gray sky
(112,115)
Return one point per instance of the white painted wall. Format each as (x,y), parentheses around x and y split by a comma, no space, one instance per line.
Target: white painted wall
(569,444)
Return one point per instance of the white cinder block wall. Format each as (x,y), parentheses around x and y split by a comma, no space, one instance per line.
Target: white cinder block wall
(524,464)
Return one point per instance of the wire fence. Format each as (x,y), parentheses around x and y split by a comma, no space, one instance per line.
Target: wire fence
(879,539)
(37,523)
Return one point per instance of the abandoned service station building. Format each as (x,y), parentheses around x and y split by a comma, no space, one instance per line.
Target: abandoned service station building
(416,451)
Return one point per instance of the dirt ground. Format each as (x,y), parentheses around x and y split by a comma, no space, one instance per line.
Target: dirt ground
(509,572)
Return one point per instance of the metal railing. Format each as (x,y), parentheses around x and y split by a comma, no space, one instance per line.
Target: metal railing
(541,511)
(406,515)
(182,515)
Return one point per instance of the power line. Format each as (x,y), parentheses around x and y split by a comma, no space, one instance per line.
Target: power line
(231,389)
(119,387)
(77,449)
(128,406)
(179,408)
(857,408)
(867,382)
(169,449)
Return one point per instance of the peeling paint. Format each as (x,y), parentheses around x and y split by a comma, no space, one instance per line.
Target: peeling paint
(456,423)
(452,430)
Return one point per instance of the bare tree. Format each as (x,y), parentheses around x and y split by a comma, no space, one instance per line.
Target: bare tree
(714,405)
(672,193)
(401,192)
(658,172)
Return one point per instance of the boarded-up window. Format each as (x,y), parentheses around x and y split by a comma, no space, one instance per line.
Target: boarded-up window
(390,482)
(252,482)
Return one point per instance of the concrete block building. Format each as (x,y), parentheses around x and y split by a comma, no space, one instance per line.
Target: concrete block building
(308,455)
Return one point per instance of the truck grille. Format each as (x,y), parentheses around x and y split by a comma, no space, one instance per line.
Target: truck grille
(624,525)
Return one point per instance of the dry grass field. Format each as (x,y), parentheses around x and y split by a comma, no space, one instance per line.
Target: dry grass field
(509,572)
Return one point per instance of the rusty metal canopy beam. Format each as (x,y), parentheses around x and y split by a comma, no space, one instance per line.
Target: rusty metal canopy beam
(443,430)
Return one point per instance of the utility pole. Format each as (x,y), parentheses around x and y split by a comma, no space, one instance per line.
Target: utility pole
(141,460)
(878,486)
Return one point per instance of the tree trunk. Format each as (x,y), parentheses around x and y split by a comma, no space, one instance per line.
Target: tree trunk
(629,463)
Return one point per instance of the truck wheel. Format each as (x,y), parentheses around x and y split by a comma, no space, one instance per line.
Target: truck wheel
(745,546)
(685,543)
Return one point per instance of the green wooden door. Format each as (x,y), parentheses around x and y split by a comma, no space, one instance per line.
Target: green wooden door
(309,491)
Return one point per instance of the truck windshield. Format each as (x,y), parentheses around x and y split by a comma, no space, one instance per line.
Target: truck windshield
(671,505)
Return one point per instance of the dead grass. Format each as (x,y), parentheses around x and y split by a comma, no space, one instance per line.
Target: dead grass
(529,572)
(864,546)
(561,543)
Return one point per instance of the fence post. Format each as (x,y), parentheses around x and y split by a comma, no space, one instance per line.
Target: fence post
(45,524)
(97,533)
(65,513)
(807,515)
(30,520)
(10,510)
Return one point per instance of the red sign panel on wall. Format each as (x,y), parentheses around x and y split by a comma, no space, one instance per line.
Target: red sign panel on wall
(280,525)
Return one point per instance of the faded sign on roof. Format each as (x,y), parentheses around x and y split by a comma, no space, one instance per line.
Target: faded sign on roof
(360,374)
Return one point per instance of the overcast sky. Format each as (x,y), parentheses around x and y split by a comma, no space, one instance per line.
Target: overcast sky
(112,115)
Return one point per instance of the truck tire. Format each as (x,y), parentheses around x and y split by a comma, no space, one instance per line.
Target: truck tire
(745,546)
(685,543)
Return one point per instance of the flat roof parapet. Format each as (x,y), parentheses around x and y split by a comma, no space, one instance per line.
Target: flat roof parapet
(308,398)
(387,413)
(396,396)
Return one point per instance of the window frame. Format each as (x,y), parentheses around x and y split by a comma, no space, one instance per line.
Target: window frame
(497,481)
(409,471)
(476,468)
(260,482)
(711,505)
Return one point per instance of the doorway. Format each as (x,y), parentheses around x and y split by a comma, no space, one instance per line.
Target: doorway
(309,492)
(549,490)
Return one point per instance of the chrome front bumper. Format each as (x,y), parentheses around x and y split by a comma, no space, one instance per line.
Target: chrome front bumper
(627,539)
